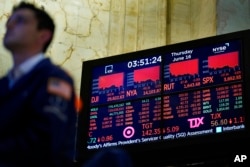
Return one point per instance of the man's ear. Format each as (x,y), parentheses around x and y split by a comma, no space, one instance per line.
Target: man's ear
(45,35)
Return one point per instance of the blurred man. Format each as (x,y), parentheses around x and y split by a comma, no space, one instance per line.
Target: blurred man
(37,112)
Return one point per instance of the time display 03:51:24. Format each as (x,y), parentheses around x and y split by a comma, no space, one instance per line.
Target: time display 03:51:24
(144,62)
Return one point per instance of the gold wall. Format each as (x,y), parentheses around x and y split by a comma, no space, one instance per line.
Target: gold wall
(91,29)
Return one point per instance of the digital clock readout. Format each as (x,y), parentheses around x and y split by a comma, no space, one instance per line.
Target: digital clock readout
(144,62)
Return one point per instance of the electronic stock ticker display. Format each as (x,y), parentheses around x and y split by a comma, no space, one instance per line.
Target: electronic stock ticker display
(167,96)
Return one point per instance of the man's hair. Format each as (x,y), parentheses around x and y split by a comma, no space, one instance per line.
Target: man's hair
(43,18)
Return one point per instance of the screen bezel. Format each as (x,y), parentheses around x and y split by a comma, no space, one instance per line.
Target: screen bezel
(185,150)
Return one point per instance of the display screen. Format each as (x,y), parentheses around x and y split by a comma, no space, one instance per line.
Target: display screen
(166,94)
(198,92)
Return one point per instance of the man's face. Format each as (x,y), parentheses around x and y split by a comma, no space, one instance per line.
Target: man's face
(21,31)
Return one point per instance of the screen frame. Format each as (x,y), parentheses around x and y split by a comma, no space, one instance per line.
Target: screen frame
(187,150)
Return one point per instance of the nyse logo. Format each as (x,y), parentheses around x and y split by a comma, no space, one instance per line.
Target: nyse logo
(221,48)
(240,158)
